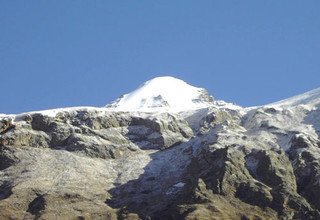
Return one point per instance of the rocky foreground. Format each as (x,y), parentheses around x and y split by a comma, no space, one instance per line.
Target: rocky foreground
(211,163)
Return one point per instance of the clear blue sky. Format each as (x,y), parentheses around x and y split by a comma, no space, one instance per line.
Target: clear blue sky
(75,53)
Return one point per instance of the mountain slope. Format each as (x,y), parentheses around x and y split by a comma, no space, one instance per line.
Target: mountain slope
(310,98)
(145,157)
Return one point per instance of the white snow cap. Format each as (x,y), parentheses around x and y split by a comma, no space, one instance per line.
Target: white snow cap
(163,93)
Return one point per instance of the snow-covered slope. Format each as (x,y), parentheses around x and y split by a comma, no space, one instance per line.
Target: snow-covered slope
(311,98)
(287,118)
(163,93)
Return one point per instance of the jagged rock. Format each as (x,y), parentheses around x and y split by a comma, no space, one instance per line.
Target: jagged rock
(307,168)
(7,157)
(255,194)
(229,174)
(41,122)
(92,147)
(160,134)
(273,169)
(24,137)
(97,122)
(5,125)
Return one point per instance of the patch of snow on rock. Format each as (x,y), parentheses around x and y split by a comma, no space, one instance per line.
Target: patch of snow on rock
(179,185)
(175,188)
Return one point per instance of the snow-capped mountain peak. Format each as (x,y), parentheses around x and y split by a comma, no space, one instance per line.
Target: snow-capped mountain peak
(163,93)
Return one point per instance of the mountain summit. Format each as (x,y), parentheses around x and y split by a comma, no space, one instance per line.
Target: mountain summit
(163,93)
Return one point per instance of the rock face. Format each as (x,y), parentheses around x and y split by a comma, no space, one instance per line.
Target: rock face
(209,163)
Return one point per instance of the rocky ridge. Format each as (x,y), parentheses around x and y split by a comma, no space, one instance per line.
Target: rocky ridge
(212,162)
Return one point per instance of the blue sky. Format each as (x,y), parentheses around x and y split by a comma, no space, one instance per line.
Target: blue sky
(75,53)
